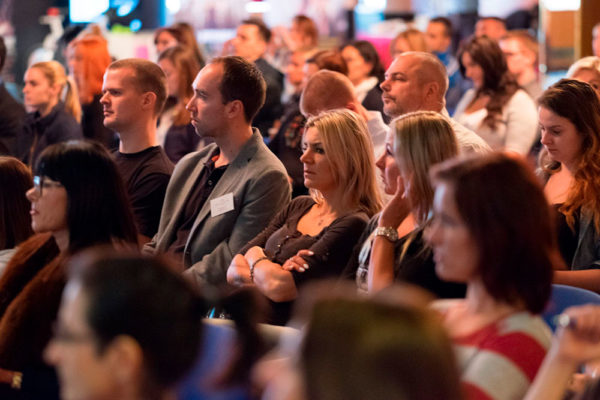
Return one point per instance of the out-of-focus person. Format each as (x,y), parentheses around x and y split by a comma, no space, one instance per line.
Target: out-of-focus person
(88,58)
(587,69)
(182,34)
(497,109)
(325,59)
(409,40)
(521,52)
(12,113)
(77,201)
(15,221)
(438,37)
(492,27)
(492,229)
(54,111)
(175,132)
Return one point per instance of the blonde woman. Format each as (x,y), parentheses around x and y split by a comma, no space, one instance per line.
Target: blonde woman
(586,69)
(311,237)
(54,110)
(409,40)
(394,249)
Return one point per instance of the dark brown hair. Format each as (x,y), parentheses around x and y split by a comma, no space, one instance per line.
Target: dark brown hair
(329,59)
(242,81)
(577,101)
(498,82)
(308,28)
(503,206)
(369,54)
(263,30)
(15,221)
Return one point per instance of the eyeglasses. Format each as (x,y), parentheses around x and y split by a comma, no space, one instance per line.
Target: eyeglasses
(41,182)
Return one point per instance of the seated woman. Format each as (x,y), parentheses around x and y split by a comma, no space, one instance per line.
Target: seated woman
(182,34)
(365,72)
(310,239)
(586,69)
(51,117)
(392,245)
(492,228)
(496,108)
(78,200)
(15,221)
(175,132)
(570,124)
(88,58)
(408,40)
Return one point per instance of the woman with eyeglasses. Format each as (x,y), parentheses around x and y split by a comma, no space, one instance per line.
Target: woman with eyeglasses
(78,200)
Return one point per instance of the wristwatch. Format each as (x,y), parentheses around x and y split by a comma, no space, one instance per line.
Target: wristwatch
(387,232)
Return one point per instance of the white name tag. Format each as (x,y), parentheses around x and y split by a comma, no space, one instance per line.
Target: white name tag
(221,205)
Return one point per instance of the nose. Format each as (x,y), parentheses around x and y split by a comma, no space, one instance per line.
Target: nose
(546,138)
(31,195)
(432,232)
(306,157)
(104,98)
(385,85)
(190,105)
(380,162)
(52,353)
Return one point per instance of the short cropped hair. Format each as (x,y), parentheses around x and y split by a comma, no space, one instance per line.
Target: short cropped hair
(146,77)
(242,81)
(503,206)
(326,90)
(142,298)
(263,30)
(444,21)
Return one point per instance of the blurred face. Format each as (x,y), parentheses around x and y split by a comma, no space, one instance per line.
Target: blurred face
(454,248)
(206,106)
(248,43)
(48,200)
(490,28)
(84,373)
(596,40)
(402,91)
(473,71)
(401,45)
(317,170)
(560,137)
(518,58)
(164,41)
(172,76)
(436,38)
(39,95)
(295,69)
(358,68)
(387,165)
(75,63)
(589,76)
(121,101)
(297,36)
(309,70)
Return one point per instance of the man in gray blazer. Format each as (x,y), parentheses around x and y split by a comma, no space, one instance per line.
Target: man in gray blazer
(223,195)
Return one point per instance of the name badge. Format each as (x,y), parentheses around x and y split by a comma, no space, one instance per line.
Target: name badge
(221,205)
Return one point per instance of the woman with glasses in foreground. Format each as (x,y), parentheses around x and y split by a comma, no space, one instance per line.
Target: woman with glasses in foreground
(78,200)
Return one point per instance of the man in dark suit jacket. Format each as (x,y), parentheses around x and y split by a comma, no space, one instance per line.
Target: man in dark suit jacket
(250,43)
(12,114)
(222,196)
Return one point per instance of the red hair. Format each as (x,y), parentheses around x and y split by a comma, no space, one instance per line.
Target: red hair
(94,51)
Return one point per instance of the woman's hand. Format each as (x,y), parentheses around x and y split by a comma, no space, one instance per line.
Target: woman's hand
(398,207)
(253,254)
(579,342)
(238,273)
(297,262)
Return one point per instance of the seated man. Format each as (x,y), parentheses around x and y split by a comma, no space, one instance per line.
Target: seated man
(224,195)
(128,328)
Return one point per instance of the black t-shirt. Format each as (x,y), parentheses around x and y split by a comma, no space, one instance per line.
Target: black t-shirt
(146,175)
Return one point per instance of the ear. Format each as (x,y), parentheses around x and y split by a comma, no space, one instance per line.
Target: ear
(234,109)
(148,100)
(432,90)
(126,359)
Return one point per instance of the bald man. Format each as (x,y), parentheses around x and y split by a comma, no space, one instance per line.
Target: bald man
(417,81)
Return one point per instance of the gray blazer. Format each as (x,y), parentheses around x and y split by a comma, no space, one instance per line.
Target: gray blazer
(260,188)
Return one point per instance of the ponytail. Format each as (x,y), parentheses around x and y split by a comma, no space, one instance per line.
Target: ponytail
(71,99)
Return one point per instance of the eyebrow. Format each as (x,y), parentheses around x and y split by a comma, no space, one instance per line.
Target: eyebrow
(395,74)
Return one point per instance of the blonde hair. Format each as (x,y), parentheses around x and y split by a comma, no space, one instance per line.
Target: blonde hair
(348,147)
(590,63)
(56,75)
(422,139)
(414,38)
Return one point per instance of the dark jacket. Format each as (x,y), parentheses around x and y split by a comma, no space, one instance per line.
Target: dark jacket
(272,109)
(12,115)
(40,132)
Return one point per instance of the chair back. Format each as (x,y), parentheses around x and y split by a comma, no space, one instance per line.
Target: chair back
(563,297)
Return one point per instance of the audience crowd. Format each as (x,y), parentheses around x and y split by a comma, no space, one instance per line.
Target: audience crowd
(366,232)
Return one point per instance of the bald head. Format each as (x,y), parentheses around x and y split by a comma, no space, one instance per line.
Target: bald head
(415,81)
(326,90)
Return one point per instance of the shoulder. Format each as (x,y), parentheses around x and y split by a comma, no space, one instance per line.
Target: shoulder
(521,98)
(469,141)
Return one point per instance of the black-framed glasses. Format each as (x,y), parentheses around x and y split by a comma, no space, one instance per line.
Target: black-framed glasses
(41,182)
